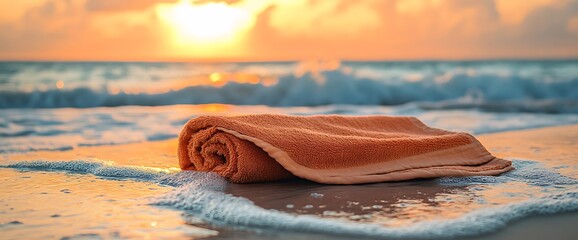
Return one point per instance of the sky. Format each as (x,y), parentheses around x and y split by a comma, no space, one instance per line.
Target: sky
(265,30)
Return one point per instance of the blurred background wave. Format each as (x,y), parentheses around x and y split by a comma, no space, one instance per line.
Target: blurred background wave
(502,86)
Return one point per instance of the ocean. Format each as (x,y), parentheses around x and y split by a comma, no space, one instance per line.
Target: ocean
(498,86)
(60,107)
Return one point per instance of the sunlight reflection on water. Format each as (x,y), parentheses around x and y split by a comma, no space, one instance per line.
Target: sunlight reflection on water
(73,205)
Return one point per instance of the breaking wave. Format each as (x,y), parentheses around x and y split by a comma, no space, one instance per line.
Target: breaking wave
(492,92)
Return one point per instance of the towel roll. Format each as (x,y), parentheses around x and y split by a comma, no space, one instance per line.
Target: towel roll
(236,159)
(330,149)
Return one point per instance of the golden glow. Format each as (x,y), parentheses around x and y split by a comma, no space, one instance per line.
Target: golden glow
(219,79)
(207,23)
(114,90)
(215,77)
(215,107)
(59,84)
(572,25)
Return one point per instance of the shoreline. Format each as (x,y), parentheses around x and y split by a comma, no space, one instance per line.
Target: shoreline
(553,146)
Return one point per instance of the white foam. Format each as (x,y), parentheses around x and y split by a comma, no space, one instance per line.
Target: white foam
(201,194)
(316,195)
(220,208)
(97,168)
(530,172)
(217,207)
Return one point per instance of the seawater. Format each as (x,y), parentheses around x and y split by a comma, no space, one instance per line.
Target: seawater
(522,86)
(59,106)
(460,206)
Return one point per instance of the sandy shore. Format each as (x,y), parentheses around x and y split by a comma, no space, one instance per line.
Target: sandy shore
(553,146)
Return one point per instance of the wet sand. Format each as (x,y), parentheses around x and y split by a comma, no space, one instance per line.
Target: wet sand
(553,146)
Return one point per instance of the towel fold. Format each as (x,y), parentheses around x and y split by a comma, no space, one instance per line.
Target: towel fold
(330,149)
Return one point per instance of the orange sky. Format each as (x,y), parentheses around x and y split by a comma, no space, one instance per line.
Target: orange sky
(246,30)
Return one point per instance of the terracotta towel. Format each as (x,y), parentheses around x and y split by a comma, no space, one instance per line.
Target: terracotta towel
(330,149)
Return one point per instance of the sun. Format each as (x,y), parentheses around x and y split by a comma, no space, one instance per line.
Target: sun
(206,23)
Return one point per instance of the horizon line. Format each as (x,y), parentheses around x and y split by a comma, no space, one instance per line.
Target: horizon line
(161,60)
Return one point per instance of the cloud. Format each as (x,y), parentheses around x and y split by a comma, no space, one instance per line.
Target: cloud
(330,18)
(122,5)
(514,12)
(297,29)
(63,29)
(572,25)
(410,29)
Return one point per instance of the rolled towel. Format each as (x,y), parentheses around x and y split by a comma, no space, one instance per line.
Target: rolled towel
(330,149)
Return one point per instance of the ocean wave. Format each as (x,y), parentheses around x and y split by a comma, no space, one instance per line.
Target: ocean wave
(487,92)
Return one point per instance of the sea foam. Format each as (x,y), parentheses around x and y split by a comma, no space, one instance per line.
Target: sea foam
(97,168)
(203,196)
(220,208)
(530,172)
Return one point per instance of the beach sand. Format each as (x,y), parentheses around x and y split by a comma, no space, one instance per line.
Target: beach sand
(553,146)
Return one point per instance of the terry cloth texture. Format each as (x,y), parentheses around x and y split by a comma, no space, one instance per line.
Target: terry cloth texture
(330,149)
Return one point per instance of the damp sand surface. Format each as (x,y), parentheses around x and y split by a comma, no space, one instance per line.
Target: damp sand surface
(49,202)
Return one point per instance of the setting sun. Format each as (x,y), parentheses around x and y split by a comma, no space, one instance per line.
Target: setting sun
(207,23)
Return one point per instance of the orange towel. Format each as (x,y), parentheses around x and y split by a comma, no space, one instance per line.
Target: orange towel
(330,149)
